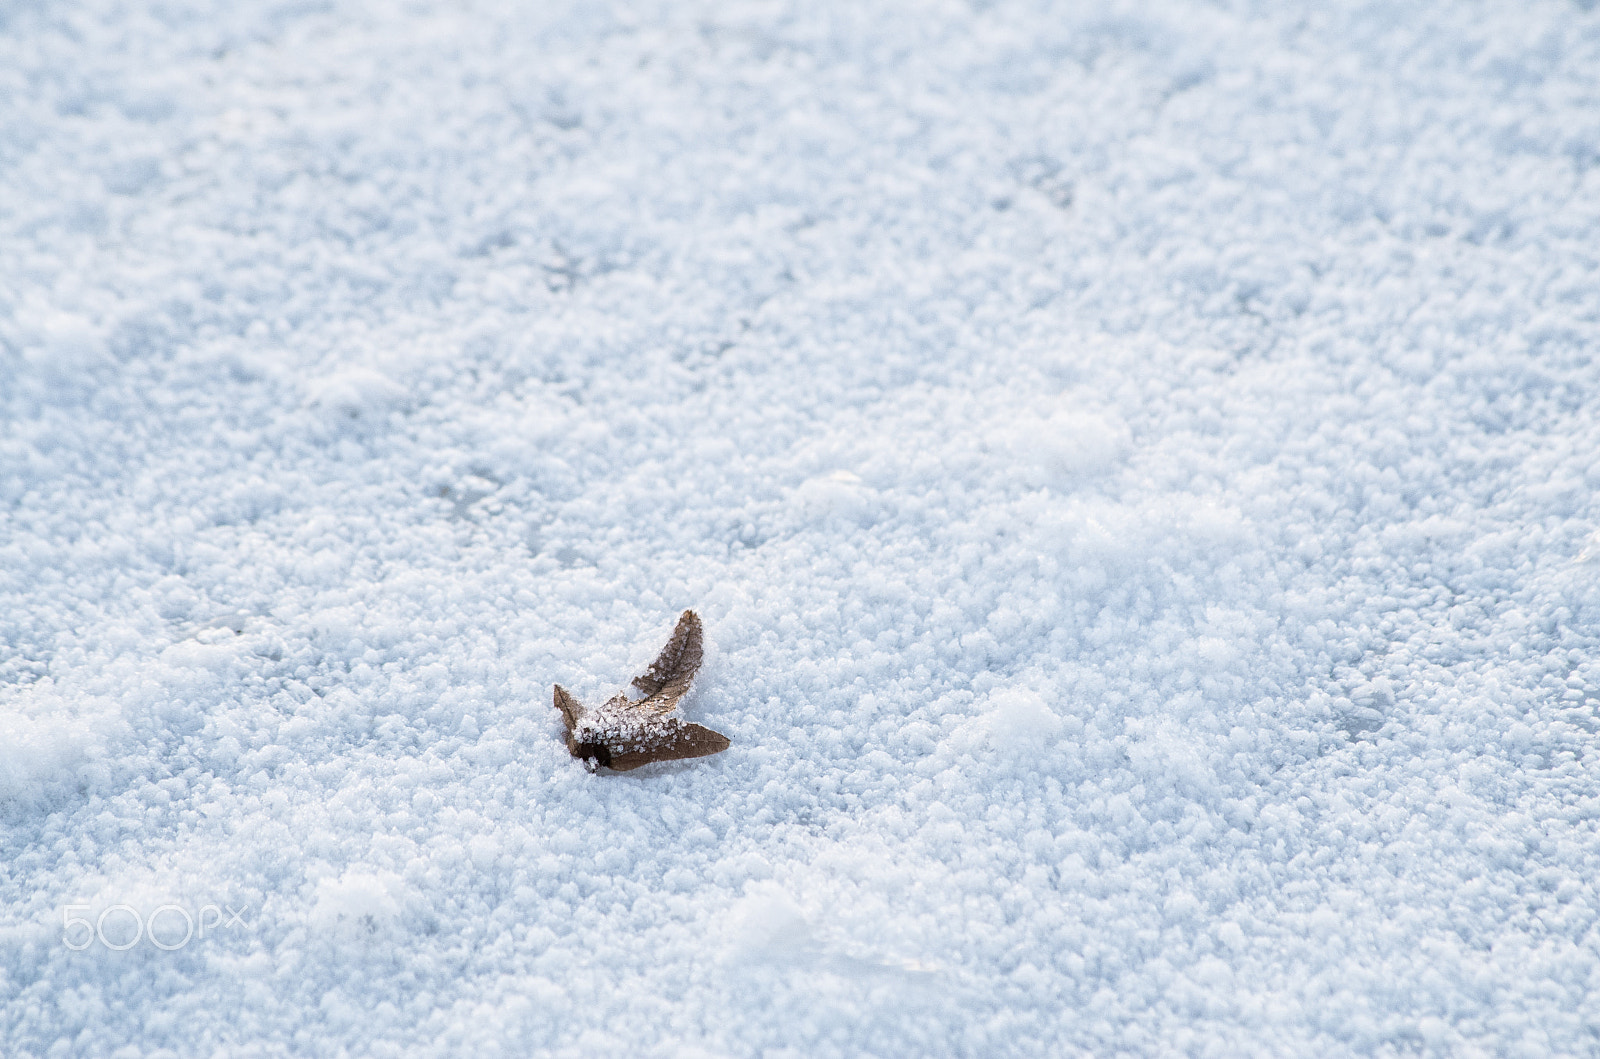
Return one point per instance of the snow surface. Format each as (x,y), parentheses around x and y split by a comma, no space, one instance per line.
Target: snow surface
(1136,463)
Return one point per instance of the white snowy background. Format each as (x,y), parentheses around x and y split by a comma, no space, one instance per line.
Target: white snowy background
(1136,463)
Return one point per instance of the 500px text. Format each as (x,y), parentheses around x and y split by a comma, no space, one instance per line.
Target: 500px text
(121,927)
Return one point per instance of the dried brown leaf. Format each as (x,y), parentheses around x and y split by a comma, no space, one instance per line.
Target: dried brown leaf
(623,734)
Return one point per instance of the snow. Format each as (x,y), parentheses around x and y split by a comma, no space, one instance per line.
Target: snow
(1135,463)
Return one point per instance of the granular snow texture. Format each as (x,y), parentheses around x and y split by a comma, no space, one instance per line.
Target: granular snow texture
(1136,463)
